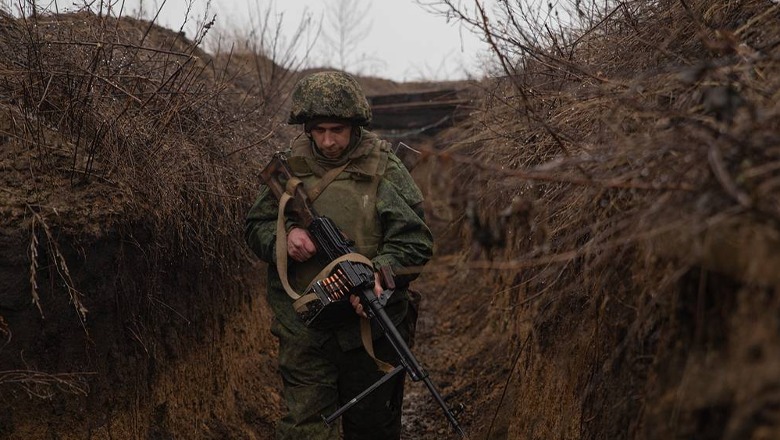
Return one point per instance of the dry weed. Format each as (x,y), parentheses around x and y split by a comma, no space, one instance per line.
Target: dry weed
(60,265)
(44,385)
(634,149)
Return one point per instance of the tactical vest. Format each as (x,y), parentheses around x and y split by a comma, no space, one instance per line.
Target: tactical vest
(349,200)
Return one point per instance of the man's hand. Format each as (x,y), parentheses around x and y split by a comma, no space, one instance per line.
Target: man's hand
(355,300)
(300,246)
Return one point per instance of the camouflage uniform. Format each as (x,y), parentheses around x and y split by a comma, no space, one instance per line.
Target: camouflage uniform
(376,203)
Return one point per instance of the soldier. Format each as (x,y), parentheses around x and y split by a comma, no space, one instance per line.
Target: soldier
(374,201)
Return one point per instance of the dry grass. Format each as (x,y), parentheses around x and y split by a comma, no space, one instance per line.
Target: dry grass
(119,130)
(587,193)
(141,115)
(612,139)
(43,385)
(607,164)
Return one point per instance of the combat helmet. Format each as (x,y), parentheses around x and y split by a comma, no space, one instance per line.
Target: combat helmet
(329,95)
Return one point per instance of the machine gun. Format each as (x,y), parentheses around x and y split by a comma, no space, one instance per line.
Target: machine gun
(328,297)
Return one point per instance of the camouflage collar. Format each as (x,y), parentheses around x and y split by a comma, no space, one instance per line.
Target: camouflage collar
(367,159)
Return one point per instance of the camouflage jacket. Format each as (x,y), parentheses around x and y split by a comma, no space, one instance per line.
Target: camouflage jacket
(405,240)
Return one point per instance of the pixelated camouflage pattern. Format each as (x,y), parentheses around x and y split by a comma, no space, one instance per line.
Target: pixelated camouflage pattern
(313,387)
(329,95)
(408,242)
(307,357)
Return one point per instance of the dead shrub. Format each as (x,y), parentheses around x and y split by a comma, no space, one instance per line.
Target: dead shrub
(623,143)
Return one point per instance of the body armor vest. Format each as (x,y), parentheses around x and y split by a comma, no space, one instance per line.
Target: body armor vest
(349,200)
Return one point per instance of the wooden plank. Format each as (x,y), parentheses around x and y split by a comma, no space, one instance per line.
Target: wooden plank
(408,111)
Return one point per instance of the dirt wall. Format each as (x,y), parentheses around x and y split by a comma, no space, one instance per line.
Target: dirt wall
(164,351)
(618,208)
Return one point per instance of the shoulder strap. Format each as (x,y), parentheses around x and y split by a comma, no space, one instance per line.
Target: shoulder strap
(326,179)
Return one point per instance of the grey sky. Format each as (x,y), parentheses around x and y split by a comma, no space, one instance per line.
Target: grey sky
(405,41)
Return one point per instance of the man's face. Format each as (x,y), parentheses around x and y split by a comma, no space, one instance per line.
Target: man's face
(332,138)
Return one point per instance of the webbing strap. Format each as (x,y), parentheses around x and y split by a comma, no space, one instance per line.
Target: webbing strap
(281,247)
(357,258)
(368,344)
(326,179)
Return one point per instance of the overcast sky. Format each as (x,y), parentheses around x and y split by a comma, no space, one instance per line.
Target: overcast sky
(402,42)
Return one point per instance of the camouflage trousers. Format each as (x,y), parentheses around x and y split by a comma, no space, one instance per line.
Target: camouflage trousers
(320,378)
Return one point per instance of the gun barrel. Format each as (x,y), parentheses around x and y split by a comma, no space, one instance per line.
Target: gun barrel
(408,360)
(447,412)
(377,311)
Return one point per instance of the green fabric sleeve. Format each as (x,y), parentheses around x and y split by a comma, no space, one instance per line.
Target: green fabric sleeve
(407,240)
(402,182)
(260,226)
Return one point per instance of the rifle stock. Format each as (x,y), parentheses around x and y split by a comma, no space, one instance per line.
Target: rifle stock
(278,176)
